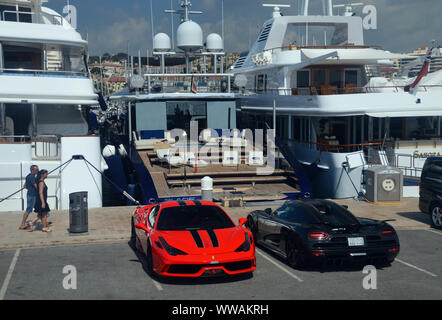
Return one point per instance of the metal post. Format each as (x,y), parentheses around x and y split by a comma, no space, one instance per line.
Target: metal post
(3,119)
(129,109)
(370,129)
(1,57)
(289,127)
(162,64)
(438,126)
(274,115)
(362,129)
(214,64)
(34,120)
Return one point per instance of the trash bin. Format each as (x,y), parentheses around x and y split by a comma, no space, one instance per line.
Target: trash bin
(78,212)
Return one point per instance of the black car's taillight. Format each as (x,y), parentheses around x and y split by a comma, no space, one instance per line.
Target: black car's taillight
(318,235)
(171,250)
(388,232)
(245,246)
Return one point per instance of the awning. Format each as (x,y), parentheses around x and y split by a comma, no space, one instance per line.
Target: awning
(395,114)
(354,56)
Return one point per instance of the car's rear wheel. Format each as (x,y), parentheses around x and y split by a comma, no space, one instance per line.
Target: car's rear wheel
(436,216)
(295,254)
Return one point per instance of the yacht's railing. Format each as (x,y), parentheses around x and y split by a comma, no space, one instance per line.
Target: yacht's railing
(46,147)
(340,46)
(333,145)
(327,90)
(18,16)
(409,164)
(186,83)
(14,139)
(35,72)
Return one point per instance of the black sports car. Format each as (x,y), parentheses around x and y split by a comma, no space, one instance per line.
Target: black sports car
(308,231)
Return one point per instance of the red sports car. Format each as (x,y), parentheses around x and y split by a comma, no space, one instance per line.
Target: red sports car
(192,239)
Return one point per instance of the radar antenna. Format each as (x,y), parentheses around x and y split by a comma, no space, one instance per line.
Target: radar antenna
(348,7)
(276,8)
(185,12)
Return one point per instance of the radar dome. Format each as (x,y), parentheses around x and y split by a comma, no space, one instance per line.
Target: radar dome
(189,36)
(214,42)
(161,42)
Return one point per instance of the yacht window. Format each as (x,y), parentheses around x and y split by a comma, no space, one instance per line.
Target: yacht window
(351,77)
(335,78)
(316,34)
(261,82)
(318,78)
(15,13)
(303,79)
(22,57)
(180,114)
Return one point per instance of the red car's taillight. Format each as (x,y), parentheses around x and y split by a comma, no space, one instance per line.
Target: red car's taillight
(318,235)
(387,232)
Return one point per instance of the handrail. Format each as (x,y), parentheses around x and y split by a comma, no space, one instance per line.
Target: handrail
(56,18)
(187,77)
(20,138)
(36,71)
(335,91)
(328,46)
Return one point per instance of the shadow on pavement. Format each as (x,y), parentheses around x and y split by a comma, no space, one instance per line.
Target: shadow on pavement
(416,216)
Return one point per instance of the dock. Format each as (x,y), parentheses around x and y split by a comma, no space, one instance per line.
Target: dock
(112,224)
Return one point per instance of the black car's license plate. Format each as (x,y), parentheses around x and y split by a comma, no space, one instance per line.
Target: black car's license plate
(355,241)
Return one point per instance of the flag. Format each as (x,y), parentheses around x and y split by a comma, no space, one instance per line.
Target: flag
(424,71)
(194,87)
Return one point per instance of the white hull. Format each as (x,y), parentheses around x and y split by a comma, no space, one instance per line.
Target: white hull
(74,177)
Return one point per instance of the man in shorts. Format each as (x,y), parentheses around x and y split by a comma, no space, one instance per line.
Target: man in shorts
(31,186)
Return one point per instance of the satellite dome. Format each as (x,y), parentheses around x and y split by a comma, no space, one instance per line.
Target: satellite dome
(189,36)
(161,42)
(214,42)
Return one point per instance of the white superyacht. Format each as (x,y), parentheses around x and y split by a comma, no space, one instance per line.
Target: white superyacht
(45,92)
(313,77)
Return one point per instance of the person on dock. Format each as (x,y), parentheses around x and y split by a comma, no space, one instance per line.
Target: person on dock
(41,203)
(31,196)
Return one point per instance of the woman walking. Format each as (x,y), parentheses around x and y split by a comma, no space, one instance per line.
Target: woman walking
(41,203)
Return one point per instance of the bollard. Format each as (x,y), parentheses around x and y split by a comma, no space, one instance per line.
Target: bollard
(207,189)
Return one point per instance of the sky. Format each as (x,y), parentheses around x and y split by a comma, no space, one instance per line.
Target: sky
(402,25)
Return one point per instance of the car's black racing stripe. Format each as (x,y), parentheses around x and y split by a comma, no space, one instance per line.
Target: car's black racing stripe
(213,237)
(197,238)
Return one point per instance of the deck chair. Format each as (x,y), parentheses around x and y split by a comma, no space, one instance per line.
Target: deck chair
(383,158)
(255,158)
(192,161)
(230,158)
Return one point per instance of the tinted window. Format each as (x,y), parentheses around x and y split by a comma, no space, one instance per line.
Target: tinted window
(296,212)
(303,79)
(333,214)
(434,169)
(193,217)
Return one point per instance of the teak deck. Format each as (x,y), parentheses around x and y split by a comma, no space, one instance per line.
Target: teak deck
(228,181)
